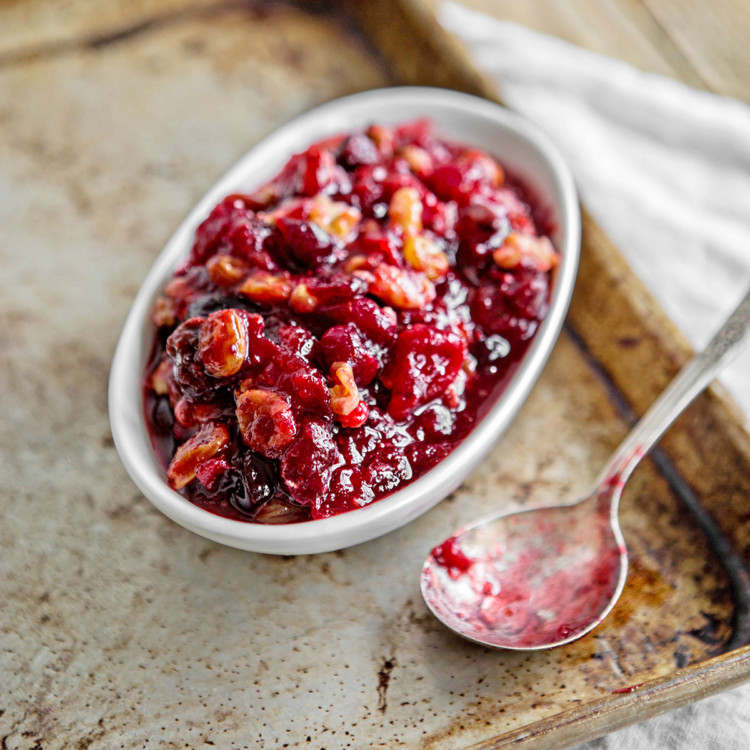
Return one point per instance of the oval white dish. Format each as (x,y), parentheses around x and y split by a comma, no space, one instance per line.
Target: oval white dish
(456,117)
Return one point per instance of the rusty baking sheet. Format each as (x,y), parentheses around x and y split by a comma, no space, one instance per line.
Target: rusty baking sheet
(119,628)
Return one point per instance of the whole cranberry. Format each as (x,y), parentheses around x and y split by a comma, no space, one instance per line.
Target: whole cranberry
(376,322)
(298,340)
(367,188)
(494,310)
(188,371)
(528,292)
(345,343)
(308,243)
(357,150)
(310,391)
(423,456)
(424,361)
(319,173)
(348,491)
(386,469)
(308,464)
(259,479)
(234,229)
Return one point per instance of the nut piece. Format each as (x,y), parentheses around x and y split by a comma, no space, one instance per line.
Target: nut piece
(189,414)
(159,378)
(344,394)
(354,263)
(301,301)
(424,255)
(226,270)
(164,312)
(402,288)
(337,218)
(223,343)
(383,137)
(527,251)
(405,210)
(417,158)
(276,511)
(206,443)
(266,421)
(262,286)
(484,164)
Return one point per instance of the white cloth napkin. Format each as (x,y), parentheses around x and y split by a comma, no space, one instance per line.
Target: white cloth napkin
(665,169)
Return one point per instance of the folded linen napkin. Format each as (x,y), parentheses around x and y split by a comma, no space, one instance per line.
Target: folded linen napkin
(665,170)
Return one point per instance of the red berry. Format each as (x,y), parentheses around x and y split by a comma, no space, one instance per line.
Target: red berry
(266,421)
(423,363)
(308,464)
(344,343)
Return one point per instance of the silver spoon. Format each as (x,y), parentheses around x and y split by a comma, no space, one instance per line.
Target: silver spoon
(543,577)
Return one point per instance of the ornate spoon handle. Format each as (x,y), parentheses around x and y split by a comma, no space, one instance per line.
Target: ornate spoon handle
(728,342)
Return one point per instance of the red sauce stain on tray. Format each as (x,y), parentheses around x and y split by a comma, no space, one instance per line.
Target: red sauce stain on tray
(335,334)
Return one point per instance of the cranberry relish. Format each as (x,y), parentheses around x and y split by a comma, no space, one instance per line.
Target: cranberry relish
(337,333)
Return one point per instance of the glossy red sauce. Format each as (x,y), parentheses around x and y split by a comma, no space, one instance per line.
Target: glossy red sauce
(335,334)
(510,606)
(526,586)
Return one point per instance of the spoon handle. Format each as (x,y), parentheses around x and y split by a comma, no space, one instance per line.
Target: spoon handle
(728,342)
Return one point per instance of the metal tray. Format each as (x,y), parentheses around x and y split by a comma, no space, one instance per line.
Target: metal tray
(118,627)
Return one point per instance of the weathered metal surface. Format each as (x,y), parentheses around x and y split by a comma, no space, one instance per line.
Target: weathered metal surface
(119,628)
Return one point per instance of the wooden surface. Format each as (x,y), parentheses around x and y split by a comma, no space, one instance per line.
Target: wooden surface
(119,628)
(703,44)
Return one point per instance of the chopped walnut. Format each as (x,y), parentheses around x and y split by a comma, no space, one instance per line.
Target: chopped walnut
(423,254)
(344,394)
(527,251)
(164,313)
(226,270)
(405,210)
(223,343)
(189,414)
(382,137)
(478,159)
(262,286)
(159,378)
(337,218)
(276,511)
(417,158)
(206,443)
(355,262)
(402,288)
(266,421)
(301,300)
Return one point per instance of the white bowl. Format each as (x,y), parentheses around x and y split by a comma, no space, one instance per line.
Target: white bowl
(458,117)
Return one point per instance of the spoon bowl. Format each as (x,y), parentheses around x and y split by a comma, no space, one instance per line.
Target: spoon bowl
(530,580)
(547,576)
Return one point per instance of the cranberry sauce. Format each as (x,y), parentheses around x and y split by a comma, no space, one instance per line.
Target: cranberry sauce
(335,334)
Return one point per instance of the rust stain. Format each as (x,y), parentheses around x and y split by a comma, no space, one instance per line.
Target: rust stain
(645,587)
(207,552)
(628,342)
(581,651)
(710,632)
(384,680)
(681,656)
